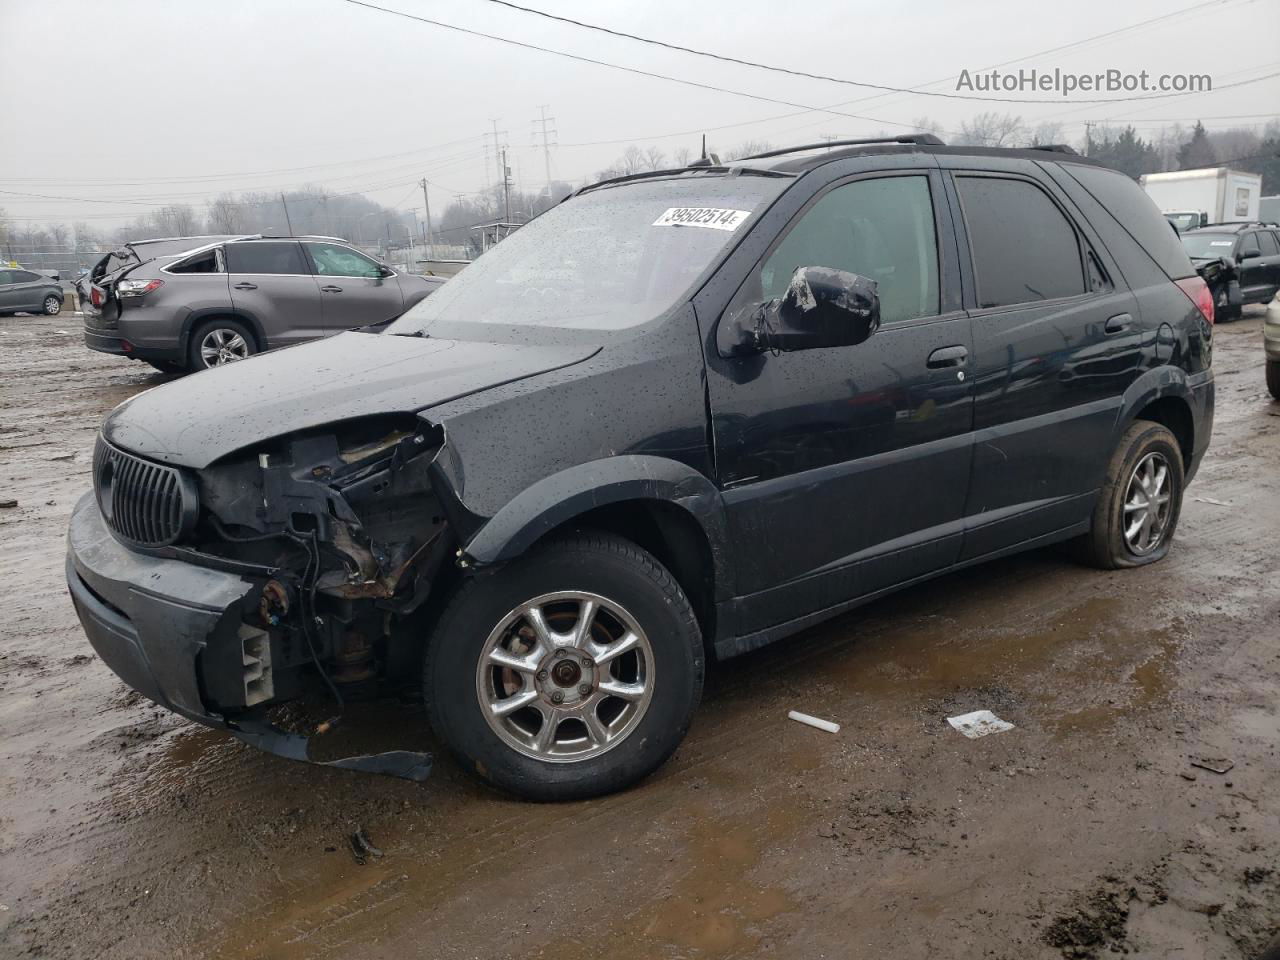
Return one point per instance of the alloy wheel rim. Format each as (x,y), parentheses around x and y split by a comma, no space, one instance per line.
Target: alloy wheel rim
(565,677)
(222,346)
(51,305)
(1148,504)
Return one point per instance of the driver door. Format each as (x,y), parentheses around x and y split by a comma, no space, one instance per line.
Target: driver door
(845,470)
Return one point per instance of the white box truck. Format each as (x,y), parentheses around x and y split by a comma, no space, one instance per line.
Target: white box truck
(1193,198)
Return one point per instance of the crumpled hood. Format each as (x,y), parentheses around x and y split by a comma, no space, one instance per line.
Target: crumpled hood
(196,420)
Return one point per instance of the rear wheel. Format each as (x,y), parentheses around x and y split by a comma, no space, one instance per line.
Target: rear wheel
(219,342)
(1138,506)
(572,672)
(1273,378)
(52,305)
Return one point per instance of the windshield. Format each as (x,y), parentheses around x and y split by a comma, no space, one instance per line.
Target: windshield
(1203,246)
(609,259)
(1183,221)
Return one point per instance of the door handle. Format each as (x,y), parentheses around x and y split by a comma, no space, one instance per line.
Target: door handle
(1117,324)
(246,286)
(330,288)
(947,357)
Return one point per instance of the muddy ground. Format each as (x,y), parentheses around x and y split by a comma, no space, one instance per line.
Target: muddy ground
(1086,831)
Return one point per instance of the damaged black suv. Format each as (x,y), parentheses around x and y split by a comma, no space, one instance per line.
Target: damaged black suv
(677,417)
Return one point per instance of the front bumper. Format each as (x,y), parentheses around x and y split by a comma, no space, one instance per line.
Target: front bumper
(151,620)
(148,618)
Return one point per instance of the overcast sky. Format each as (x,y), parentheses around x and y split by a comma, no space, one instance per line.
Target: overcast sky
(137,99)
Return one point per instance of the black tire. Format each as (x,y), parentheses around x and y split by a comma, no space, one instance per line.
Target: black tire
(52,306)
(195,352)
(1273,378)
(595,563)
(1105,545)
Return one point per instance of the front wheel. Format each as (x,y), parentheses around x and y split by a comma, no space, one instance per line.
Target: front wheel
(571,672)
(52,306)
(1138,506)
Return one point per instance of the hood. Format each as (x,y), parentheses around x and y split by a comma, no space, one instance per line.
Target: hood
(196,420)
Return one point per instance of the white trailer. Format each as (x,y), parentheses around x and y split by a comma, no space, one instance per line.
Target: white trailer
(1215,194)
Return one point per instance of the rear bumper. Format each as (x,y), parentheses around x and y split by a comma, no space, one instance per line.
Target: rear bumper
(112,342)
(1201,400)
(1271,331)
(150,619)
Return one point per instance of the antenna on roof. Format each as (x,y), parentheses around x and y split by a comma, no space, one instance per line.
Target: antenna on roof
(704,146)
(706,160)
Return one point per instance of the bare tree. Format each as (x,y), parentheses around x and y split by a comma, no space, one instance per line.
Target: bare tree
(747,148)
(654,158)
(682,156)
(59,235)
(224,214)
(1045,133)
(989,129)
(927,125)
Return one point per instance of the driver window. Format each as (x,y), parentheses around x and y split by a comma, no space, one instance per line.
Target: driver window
(331,260)
(882,229)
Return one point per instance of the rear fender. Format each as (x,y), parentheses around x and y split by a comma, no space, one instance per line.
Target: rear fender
(195,317)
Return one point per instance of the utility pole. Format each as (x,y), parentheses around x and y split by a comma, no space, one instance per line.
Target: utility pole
(546,144)
(828,137)
(499,149)
(285,204)
(506,186)
(1088,136)
(426,202)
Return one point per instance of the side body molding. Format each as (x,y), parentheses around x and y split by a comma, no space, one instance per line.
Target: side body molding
(571,492)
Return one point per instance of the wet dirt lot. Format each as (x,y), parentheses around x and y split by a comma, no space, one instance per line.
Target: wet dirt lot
(1086,831)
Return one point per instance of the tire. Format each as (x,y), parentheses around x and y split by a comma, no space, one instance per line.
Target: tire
(52,306)
(1145,448)
(1273,378)
(218,342)
(661,674)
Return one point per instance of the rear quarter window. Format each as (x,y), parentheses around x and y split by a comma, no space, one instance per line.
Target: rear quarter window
(1137,214)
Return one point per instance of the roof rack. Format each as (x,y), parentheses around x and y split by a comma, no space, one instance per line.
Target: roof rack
(1056,148)
(921,139)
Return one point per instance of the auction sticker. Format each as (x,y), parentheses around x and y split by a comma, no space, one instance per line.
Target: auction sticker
(712,217)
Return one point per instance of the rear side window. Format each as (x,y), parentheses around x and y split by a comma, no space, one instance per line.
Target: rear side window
(1004,217)
(333,260)
(1137,214)
(1267,243)
(6,276)
(206,262)
(265,257)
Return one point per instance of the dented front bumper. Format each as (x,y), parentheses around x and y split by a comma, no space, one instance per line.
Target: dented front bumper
(152,620)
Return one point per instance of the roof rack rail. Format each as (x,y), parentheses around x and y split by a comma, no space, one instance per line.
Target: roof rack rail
(921,139)
(1055,148)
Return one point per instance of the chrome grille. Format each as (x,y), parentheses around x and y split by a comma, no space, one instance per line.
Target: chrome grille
(146,503)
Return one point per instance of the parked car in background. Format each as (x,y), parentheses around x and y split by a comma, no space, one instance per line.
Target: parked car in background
(1216,194)
(679,416)
(189,303)
(25,291)
(1252,252)
(1271,344)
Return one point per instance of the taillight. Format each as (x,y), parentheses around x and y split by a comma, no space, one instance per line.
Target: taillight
(1198,291)
(96,297)
(137,288)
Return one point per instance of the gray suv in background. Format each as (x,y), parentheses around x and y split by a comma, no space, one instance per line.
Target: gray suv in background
(190,303)
(28,292)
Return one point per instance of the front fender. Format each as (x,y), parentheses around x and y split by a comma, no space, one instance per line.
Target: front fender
(562,496)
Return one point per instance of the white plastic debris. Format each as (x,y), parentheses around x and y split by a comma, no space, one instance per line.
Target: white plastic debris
(804,718)
(979,724)
(1216,503)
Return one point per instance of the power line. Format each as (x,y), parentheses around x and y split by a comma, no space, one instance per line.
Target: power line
(806,74)
(616,66)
